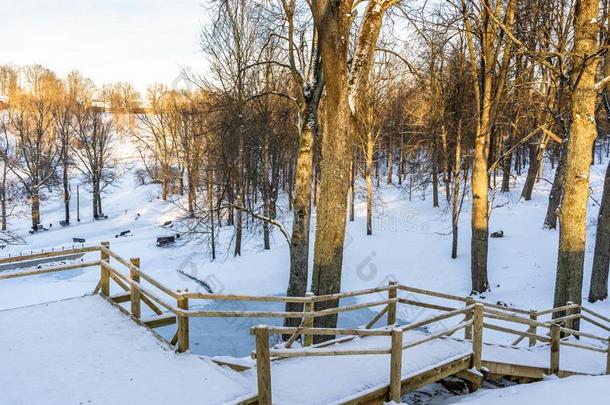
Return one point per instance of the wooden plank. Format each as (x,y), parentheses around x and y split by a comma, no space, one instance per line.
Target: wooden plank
(308,308)
(514,370)
(377,317)
(425,305)
(431,293)
(379,395)
(282,353)
(477,336)
(427,321)
(515,332)
(135,295)
(120,298)
(54,269)
(104,272)
(396,365)
(329,331)
(160,320)
(263,365)
(331,297)
(392,302)
(555,342)
(52,253)
(183,325)
(608,358)
(106,250)
(532,328)
(41,261)
(467,317)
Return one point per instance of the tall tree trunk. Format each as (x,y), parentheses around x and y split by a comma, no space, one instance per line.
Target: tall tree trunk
(210,193)
(299,241)
(3,198)
(35,208)
(345,82)
(66,186)
(455,203)
(241,186)
(266,193)
(572,214)
(480,205)
(164,181)
(550,220)
(532,171)
(352,187)
(435,155)
(598,289)
(370,146)
(390,161)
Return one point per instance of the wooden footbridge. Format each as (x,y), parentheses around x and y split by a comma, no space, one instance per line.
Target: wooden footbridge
(366,365)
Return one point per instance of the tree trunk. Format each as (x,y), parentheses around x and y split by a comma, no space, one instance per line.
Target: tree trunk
(352,188)
(370,146)
(390,161)
(598,289)
(3,198)
(572,214)
(455,203)
(266,193)
(299,241)
(532,171)
(480,206)
(164,182)
(35,209)
(550,220)
(66,186)
(435,173)
(210,192)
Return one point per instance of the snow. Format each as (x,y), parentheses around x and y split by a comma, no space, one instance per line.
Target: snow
(411,243)
(354,374)
(565,391)
(82,350)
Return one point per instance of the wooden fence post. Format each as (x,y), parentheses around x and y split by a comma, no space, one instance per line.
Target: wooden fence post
(135,291)
(183,323)
(555,342)
(477,338)
(308,320)
(392,305)
(532,328)
(467,317)
(569,312)
(105,273)
(608,358)
(263,365)
(396,365)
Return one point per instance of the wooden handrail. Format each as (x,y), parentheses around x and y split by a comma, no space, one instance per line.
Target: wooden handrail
(145,276)
(558,309)
(143,290)
(50,253)
(329,331)
(438,318)
(253,298)
(64,267)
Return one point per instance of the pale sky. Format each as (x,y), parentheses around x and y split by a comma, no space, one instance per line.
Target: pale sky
(138,41)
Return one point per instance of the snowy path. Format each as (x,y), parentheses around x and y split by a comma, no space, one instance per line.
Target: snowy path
(332,379)
(83,350)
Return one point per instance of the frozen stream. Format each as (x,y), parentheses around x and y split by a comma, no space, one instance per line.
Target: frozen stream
(231,336)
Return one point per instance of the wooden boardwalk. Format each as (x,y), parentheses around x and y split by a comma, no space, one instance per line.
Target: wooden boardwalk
(366,365)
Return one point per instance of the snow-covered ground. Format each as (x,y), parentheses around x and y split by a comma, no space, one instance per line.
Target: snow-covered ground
(565,391)
(82,350)
(411,243)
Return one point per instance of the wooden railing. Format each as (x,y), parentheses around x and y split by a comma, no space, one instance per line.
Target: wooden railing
(173,306)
